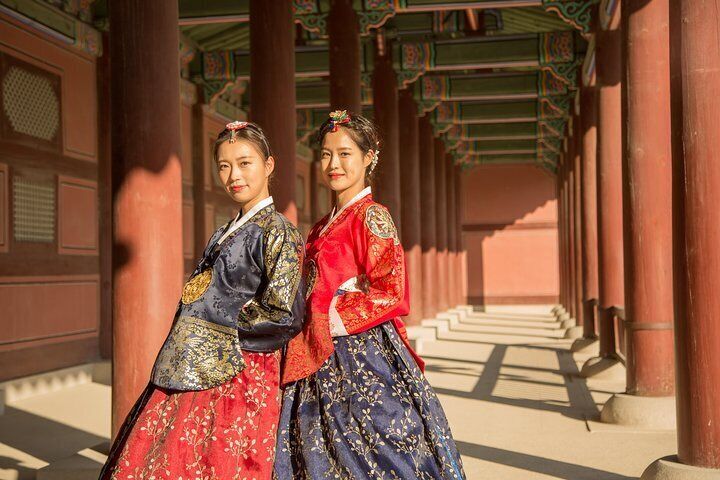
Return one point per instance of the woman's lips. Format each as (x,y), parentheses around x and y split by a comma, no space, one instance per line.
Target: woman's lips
(237,188)
(335,176)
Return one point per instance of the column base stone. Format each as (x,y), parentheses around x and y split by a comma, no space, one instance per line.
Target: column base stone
(669,468)
(654,413)
(574,332)
(586,346)
(603,368)
(570,322)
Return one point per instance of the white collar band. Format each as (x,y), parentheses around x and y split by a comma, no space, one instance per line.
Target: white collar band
(239,222)
(363,193)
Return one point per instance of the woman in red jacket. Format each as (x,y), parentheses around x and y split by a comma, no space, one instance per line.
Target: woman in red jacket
(356,404)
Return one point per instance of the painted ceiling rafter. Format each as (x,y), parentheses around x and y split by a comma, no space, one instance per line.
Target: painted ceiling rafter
(578,13)
(551,51)
(312,14)
(433,89)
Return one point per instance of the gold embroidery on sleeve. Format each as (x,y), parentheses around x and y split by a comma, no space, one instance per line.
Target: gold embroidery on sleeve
(380,223)
(198,354)
(283,260)
(196,286)
(311,277)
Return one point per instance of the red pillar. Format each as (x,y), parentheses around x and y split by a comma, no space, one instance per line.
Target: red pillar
(648,199)
(272,102)
(344,40)
(200,194)
(451,247)
(461,298)
(385,103)
(428,208)
(411,205)
(647,202)
(696,170)
(609,188)
(105,200)
(565,231)
(441,162)
(588,119)
(147,236)
(570,196)
(577,222)
(560,189)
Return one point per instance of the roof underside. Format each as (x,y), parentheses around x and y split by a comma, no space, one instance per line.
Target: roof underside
(496,77)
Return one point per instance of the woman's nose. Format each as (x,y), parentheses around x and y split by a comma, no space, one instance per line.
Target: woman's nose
(235,173)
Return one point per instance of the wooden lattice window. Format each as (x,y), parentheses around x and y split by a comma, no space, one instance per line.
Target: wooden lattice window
(34,206)
(30,107)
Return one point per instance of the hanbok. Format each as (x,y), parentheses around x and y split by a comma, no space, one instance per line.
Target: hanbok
(356,404)
(211,408)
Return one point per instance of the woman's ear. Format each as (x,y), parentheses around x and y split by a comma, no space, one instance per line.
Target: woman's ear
(367,159)
(269,166)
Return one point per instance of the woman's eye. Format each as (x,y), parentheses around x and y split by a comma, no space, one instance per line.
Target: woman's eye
(345,154)
(221,167)
(325,154)
(244,164)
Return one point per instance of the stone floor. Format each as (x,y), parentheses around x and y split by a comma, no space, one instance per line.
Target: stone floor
(510,388)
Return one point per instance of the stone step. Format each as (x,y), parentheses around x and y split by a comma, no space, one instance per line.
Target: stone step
(510,323)
(419,336)
(41,384)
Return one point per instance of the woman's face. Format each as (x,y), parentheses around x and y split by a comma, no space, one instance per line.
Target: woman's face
(243,171)
(343,163)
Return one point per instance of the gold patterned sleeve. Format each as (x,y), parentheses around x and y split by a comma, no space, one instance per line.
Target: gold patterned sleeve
(275,315)
(383,288)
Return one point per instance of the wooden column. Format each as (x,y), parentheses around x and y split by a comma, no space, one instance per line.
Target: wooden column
(147,236)
(344,43)
(569,197)
(411,205)
(696,169)
(647,202)
(577,221)
(441,162)
(385,104)
(105,199)
(428,208)
(561,265)
(451,231)
(461,298)
(589,226)
(648,199)
(565,223)
(198,167)
(559,186)
(316,210)
(609,189)
(272,101)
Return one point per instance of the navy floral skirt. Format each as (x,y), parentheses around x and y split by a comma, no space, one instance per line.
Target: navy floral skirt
(368,413)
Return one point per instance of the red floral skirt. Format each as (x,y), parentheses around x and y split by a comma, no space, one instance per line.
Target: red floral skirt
(227,432)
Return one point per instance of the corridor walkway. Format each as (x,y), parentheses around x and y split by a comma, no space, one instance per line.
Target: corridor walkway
(506,379)
(518,408)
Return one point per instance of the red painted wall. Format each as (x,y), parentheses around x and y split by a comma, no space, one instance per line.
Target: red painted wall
(510,234)
(49,289)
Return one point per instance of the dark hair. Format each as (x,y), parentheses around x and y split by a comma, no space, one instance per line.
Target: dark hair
(251,133)
(362,131)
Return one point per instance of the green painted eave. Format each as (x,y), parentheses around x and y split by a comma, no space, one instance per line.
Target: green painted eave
(494,131)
